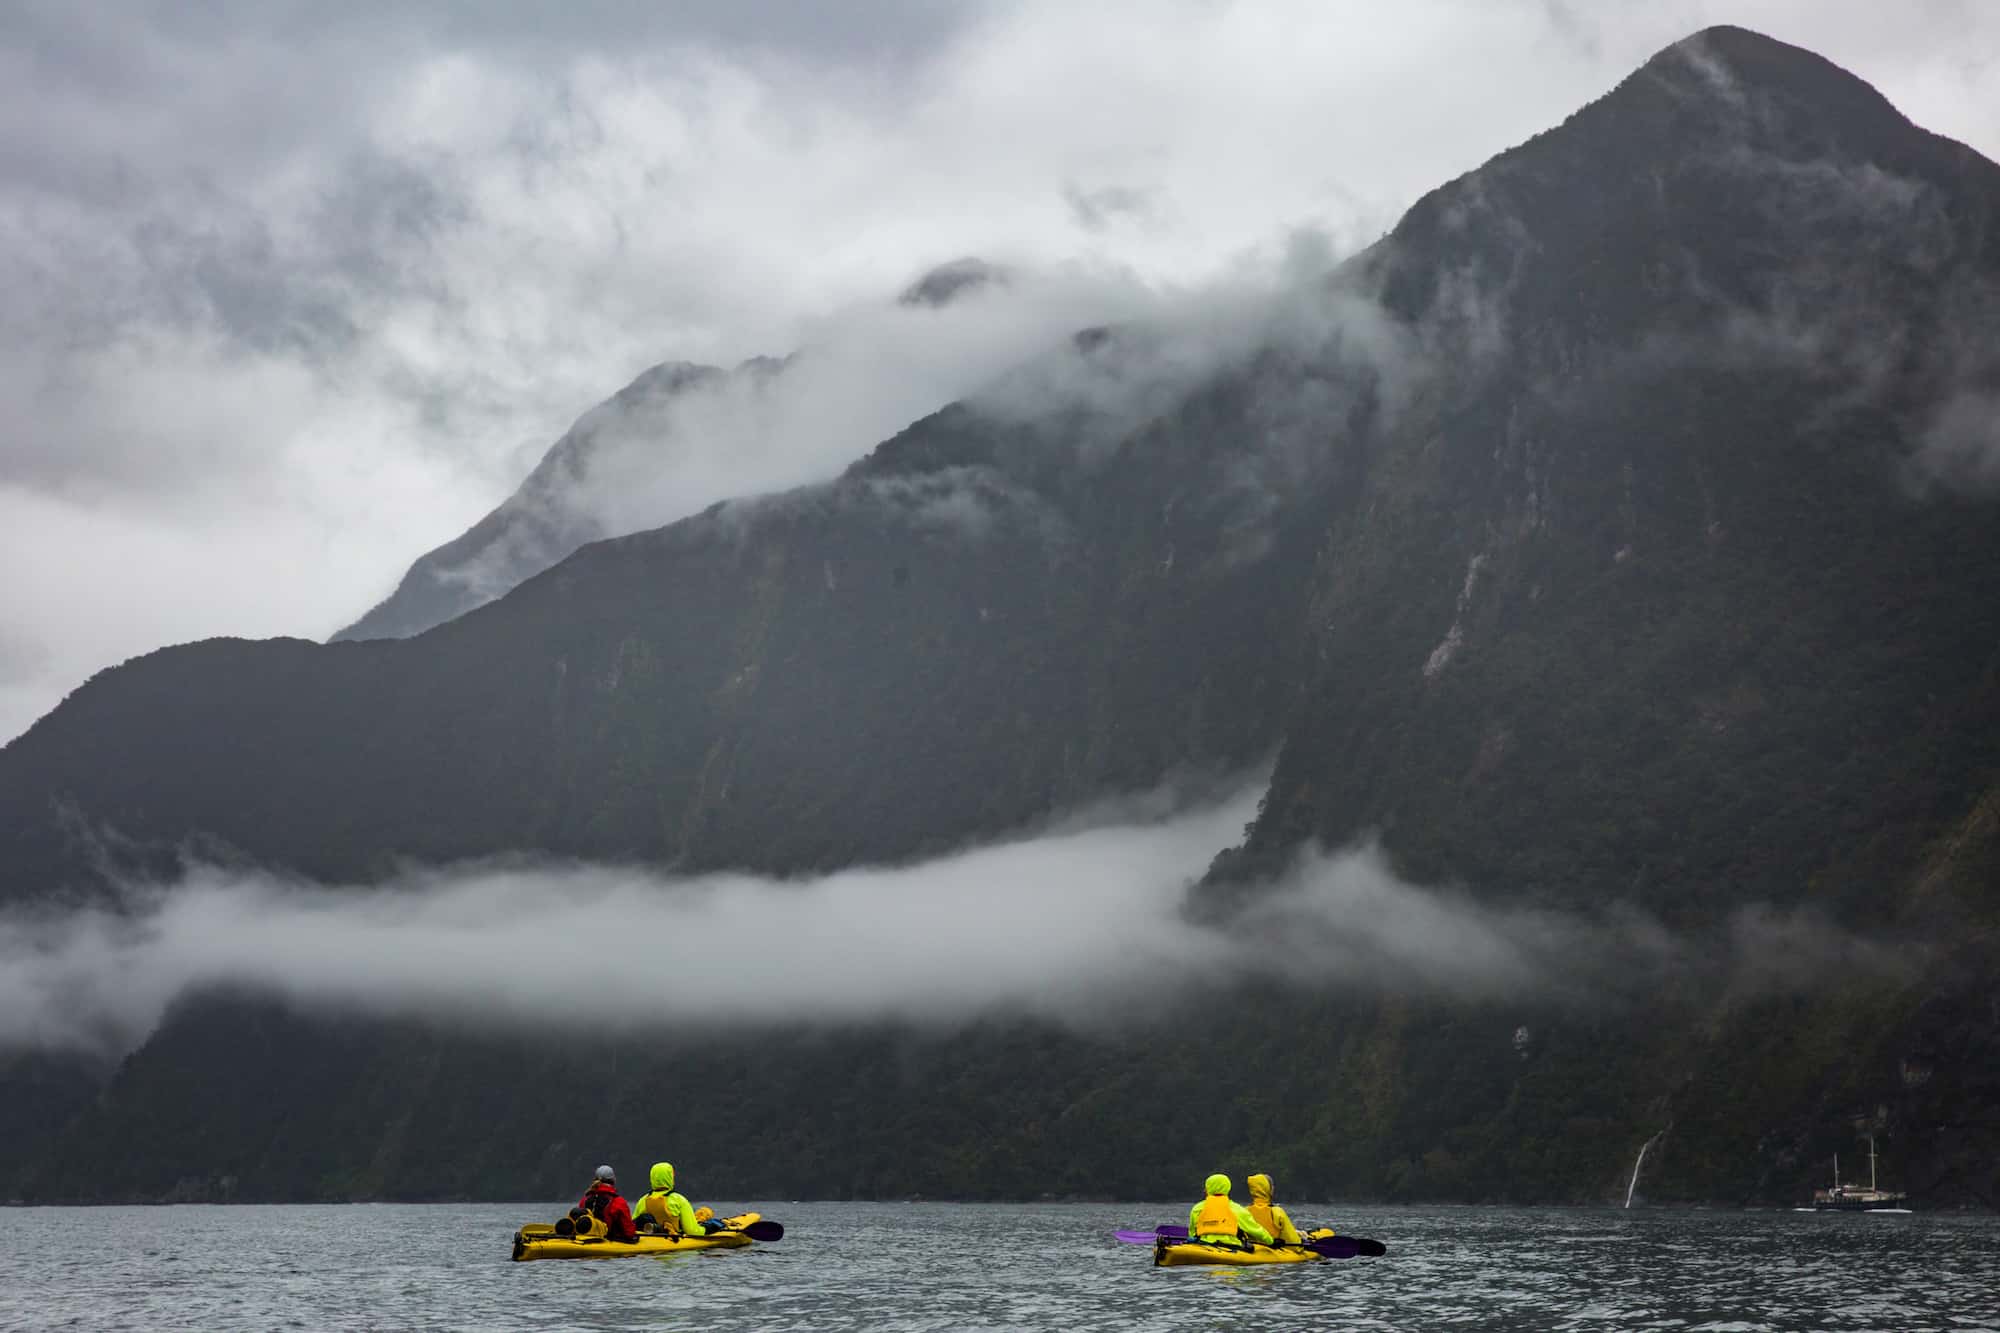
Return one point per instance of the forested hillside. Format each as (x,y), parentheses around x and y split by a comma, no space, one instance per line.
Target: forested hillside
(1609,534)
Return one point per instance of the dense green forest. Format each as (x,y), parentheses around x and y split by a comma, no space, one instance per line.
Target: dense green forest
(1607,558)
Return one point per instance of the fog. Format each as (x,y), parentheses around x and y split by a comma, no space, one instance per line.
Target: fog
(1090,354)
(674,443)
(1083,923)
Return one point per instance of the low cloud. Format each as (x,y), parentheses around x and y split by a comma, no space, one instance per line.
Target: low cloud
(256,363)
(1084,923)
(1346,920)
(1286,300)
(1960,447)
(863,375)
(1041,925)
(683,437)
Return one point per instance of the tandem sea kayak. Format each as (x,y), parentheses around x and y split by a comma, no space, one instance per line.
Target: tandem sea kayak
(542,1242)
(1179,1254)
(1173,1248)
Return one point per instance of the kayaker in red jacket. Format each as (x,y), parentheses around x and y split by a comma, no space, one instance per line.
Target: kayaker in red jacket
(603,1202)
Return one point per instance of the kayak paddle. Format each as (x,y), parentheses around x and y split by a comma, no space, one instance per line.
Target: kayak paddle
(1331,1247)
(764,1230)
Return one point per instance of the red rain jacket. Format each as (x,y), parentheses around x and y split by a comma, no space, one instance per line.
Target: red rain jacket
(604,1203)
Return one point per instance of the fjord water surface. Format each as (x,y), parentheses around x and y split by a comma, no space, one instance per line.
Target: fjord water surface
(889,1267)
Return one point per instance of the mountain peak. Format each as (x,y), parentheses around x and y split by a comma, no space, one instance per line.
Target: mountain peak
(949,281)
(1749,50)
(1728,131)
(1731,66)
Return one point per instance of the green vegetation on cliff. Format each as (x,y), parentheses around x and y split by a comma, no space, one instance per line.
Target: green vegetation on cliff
(1610,559)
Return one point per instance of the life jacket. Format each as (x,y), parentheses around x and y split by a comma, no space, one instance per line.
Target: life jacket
(654,1205)
(1266,1217)
(1217,1219)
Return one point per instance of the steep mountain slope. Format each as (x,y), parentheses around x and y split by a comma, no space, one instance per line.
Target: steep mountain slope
(662,696)
(1599,537)
(1670,548)
(552,512)
(628,464)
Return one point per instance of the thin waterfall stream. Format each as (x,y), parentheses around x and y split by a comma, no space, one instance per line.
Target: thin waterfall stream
(1644,1148)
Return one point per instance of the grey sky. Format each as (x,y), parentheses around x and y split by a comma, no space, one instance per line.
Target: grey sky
(296,291)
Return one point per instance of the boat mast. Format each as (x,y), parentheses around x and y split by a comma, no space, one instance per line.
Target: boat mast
(1871,1161)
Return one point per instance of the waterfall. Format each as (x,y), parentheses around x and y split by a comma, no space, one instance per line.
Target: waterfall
(1643,1148)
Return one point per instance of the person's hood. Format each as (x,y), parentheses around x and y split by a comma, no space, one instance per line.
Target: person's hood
(663,1177)
(1260,1190)
(1218,1184)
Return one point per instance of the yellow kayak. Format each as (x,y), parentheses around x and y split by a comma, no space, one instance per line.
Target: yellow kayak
(1180,1254)
(542,1242)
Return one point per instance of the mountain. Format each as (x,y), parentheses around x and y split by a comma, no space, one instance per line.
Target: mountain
(553,512)
(1677,527)
(1610,535)
(603,477)
(948,282)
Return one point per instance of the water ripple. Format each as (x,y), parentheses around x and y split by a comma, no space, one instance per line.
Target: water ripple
(888,1268)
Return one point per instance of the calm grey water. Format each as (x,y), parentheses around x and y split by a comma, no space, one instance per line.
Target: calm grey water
(887,1267)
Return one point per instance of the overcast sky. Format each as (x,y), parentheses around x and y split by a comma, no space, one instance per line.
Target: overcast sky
(295,292)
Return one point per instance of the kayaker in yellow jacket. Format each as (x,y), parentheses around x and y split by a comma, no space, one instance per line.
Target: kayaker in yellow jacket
(1219,1220)
(1271,1217)
(670,1211)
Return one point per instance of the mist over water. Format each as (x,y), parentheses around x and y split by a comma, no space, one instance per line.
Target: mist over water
(1085,922)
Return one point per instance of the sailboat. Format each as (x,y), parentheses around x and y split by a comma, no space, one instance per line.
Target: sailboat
(1855,1199)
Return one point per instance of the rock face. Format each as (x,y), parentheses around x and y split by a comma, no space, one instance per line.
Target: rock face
(1612,532)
